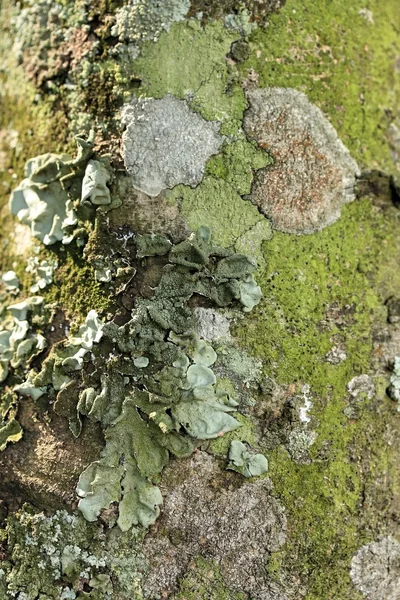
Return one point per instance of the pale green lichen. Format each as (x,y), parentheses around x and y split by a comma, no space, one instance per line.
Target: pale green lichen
(42,272)
(249,464)
(11,281)
(89,333)
(94,184)
(17,341)
(45,199)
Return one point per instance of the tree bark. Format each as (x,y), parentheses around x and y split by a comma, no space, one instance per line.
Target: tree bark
(202,350)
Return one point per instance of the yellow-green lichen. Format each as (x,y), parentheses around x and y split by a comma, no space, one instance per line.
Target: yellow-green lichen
(210,85)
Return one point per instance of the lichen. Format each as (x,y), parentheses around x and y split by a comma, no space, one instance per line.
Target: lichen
(249,464)
(142,20)
(177,152)
(158,392)
(313,174)
(341,62)
(56,556)
(10,429)
(41,271)
(375,569)
(17,341)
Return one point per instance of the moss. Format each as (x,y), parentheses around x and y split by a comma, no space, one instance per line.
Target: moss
(344,63)
(204,582)
(75,290)
(328,286)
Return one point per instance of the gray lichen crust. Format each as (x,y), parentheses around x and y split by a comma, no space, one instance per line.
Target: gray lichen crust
(313,175)
(375,569)
(236,526)
(165,143)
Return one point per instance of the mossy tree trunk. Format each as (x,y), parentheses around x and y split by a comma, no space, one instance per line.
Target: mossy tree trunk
(267,427)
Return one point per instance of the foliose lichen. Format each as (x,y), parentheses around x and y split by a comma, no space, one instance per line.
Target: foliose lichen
(42,272)
(10,429)
(249,464)
(46,199)
(152,387)
(17,341)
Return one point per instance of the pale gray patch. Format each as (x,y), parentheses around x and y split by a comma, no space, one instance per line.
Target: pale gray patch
(313,175)
(336,355)
(235,526)
(367,14)
(211,325)
(375,569)
(165,143)
(361,386)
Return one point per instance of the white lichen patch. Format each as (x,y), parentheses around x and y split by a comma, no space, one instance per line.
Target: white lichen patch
(141,20)
(211,324)
(165,143)
(362,387)
(394,388)
(306,407)
(313,174)
(375,569)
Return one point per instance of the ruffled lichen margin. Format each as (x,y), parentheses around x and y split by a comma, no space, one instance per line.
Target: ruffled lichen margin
(324,294)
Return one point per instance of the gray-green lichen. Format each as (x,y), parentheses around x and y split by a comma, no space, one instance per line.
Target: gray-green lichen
(94,184)
(248,463)
(150,382)
(41,271)
(11,281)
(141,20)
(10,429)
(165,143)
(47,198)
(17,341)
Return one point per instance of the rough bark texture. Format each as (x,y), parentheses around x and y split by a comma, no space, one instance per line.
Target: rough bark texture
(277,125)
